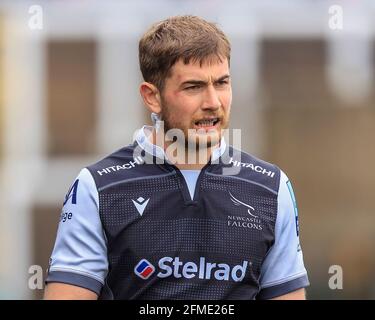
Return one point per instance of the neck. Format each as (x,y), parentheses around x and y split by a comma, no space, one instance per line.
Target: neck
(182,157)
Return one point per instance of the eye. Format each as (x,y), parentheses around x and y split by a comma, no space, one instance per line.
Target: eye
(222,82)
(190,88)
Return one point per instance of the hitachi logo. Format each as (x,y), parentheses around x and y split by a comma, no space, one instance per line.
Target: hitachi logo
(128,165)
(173,267)
(252,167)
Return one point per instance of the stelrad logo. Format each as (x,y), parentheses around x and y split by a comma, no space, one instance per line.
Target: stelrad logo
(144,269)
(173,267)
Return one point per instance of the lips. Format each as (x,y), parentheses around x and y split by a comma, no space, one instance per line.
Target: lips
(206,122)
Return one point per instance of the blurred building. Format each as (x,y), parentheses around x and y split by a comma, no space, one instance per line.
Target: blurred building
(304,97)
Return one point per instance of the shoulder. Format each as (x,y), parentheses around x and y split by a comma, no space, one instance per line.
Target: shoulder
(124,165)
(116,166)
(249,167)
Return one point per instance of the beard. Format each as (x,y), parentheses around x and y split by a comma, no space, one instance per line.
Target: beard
(194,139)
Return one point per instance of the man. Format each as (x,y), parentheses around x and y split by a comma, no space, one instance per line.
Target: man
(149,223)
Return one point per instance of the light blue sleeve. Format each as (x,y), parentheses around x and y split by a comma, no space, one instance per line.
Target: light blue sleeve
(283,270)
(79,256)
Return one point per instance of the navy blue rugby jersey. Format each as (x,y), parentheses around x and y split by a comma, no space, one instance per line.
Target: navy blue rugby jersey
(136,229)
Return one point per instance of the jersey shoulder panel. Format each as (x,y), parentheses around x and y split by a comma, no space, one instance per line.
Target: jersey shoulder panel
(79,256)
(243,165)
(127,163)
(283,269)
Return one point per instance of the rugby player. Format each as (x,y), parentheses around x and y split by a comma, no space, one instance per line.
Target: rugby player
(143,223)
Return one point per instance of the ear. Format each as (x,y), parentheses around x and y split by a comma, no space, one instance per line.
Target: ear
(151,97)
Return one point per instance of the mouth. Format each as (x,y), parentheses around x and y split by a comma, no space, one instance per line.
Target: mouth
(207,123)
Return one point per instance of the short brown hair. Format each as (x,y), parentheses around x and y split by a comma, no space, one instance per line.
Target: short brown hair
(180,37)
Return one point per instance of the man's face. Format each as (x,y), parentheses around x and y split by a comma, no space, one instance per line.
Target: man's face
(199,98)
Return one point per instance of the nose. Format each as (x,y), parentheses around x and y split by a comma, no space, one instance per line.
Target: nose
(211,99)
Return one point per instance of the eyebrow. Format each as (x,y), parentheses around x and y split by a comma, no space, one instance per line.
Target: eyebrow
(201,82)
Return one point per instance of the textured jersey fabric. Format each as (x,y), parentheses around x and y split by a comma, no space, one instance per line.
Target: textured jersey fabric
(131,229)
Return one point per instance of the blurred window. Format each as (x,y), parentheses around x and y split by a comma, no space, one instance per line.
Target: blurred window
(71,101)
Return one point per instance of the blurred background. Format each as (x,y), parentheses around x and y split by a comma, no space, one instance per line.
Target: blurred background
(304,97)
